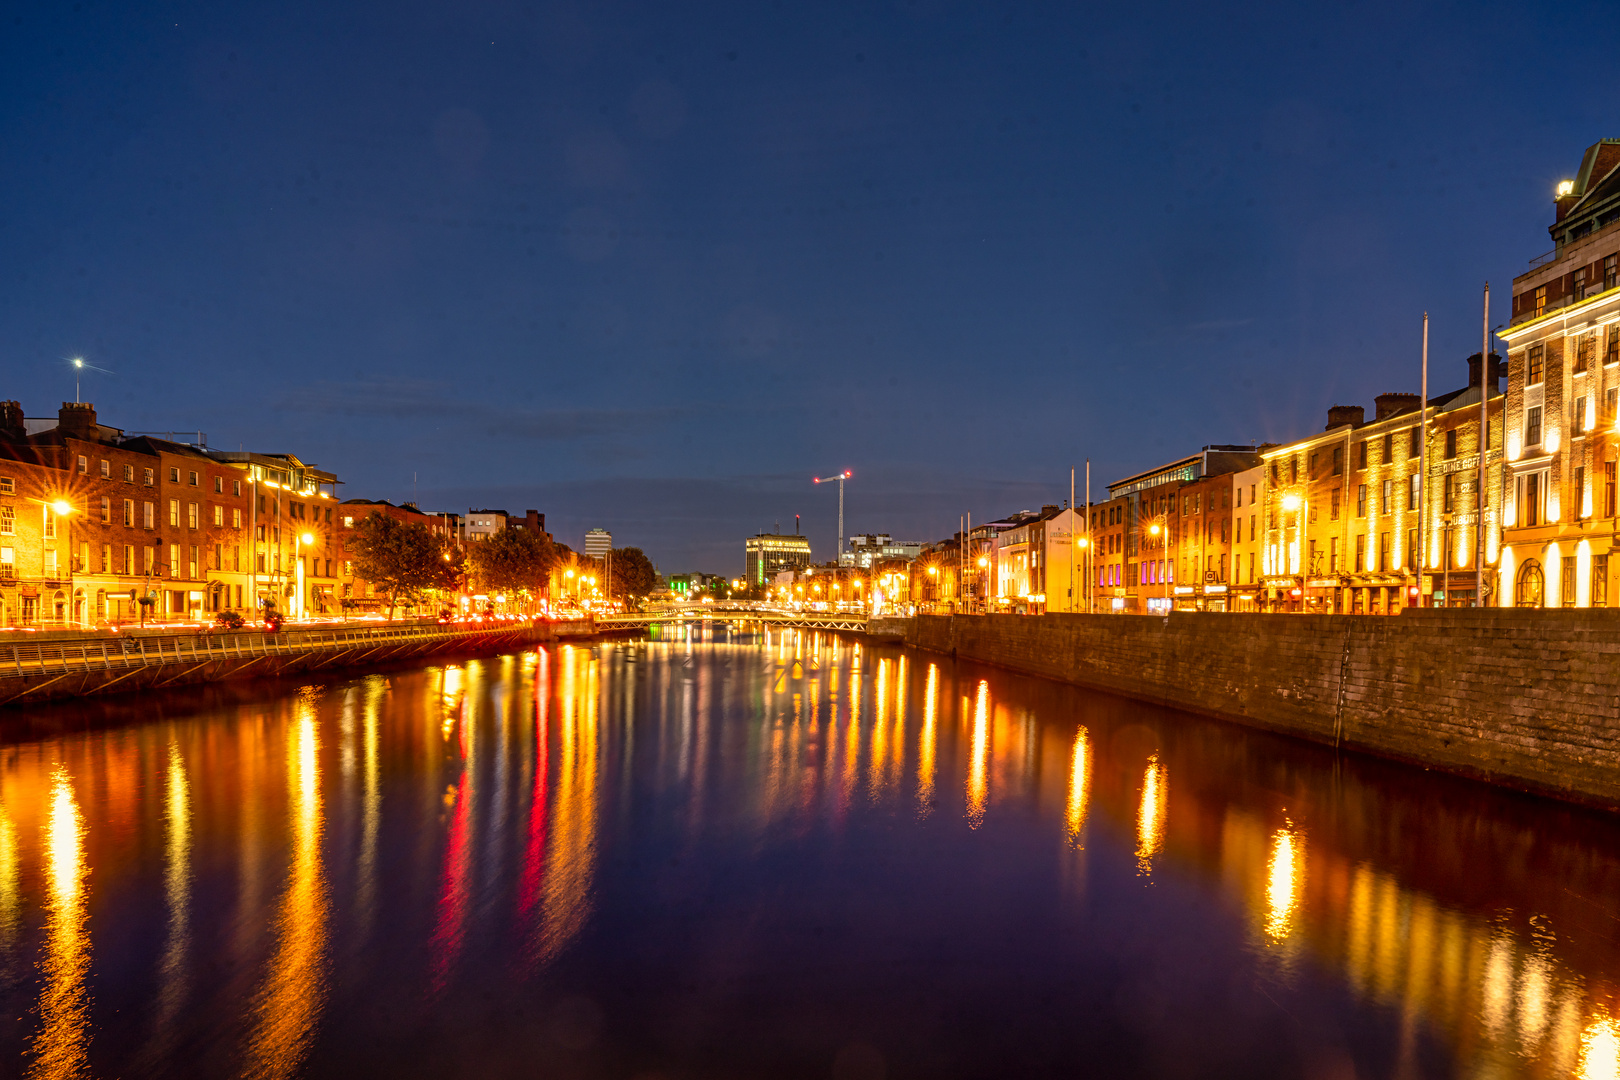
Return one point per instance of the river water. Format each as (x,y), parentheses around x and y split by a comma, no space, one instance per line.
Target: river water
(735,854)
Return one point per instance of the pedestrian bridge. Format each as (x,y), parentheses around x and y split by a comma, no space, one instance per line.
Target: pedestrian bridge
(811,620)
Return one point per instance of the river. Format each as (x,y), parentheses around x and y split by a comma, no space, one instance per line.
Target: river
(739,854)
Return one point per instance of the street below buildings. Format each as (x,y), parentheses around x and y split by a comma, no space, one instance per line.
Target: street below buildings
(745,851)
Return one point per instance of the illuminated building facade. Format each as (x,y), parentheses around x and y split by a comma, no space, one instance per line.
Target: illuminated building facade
(1563,349)
(1341,512)
(1033,572)
(598,543)
(768,554)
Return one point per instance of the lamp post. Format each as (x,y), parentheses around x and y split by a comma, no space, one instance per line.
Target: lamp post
(1157,530)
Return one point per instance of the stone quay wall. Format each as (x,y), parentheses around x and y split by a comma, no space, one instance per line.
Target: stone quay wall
(1524,698)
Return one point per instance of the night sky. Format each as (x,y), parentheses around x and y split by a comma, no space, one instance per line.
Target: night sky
(653,266)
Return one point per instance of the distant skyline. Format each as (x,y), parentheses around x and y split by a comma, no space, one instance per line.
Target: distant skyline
(652,267)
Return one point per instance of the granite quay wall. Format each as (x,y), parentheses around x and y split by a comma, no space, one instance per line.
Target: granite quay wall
(1524,698)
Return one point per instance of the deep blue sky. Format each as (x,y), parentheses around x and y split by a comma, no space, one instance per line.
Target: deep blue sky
(652,266)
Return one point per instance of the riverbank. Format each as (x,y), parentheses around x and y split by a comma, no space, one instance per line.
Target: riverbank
(1525,699)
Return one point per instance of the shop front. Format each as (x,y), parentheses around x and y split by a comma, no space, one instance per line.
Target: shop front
(1283,594)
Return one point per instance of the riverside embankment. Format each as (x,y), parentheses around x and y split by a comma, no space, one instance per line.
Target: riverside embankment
(1524,698)
(54,666)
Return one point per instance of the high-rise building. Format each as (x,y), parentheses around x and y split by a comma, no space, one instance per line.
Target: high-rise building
(771,553)
(598,542)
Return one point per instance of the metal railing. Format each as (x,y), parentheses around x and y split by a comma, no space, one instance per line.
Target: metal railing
(67,657)
(813,621)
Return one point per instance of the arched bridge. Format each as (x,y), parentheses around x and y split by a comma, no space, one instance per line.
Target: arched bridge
(814,620)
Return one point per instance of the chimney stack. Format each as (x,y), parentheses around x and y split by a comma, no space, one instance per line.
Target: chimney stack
(77,420)
(1340,415)
(1387,405)
(1495,372)
(11,421)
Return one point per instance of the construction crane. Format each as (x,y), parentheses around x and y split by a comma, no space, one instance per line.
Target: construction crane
(840,477)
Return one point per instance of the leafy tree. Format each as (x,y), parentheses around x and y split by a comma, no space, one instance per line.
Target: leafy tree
(631,574)
(404,559)
(513,561)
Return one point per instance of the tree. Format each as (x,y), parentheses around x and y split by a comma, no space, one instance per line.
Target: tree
(631,574)
(513,561)
(405,559)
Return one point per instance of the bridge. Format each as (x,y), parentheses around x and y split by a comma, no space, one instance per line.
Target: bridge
(810,620)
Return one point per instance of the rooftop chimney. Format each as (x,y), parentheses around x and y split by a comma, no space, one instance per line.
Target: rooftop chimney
(1387,405)
(1340,415)
(11,421)
(77,420)
(1495,374)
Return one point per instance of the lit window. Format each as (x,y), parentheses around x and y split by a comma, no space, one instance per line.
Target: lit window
(84,465)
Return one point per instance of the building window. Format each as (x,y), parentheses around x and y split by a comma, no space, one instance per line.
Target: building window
(174,475)
(8,486)
(1361,454)
(50,524)
(129,513)
(174,560)
(1448,493)
(219,556)
(219,516)
(148,473)
(1580,492)
(129,474)
(1361,552)
(8,563)
(1535,366)
(106,558)
(1567,585)
(219,485)
(1338,461)
(1334,502)
(191,515)
(1412,492)
(50,564)
(106,469)
(1608,489)
(1310,468)
(191,564)
(1389,448)
(1580,284)
(1532,426)
(1383,553)
(129,559)
(1451,444)
(149,515)
(174,513)
(193,480)
(1531,490)
(106,510)
(236,517)
(1577,424)
(1387,505)
(1541,300)
(1609,272)
(1600,581)
(8,521)
(84,465)
(1585,348)
(236,488)
(1412,549)
(1361,500)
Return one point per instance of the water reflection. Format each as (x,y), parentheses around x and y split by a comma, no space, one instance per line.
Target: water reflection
(686,835)
(290,1000)
(62,1046)
(1287,865)
(1150,815)
(1079,786)
(978,788)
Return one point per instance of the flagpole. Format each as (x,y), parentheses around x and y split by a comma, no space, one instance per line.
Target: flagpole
(1423,466)
(1484,441)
